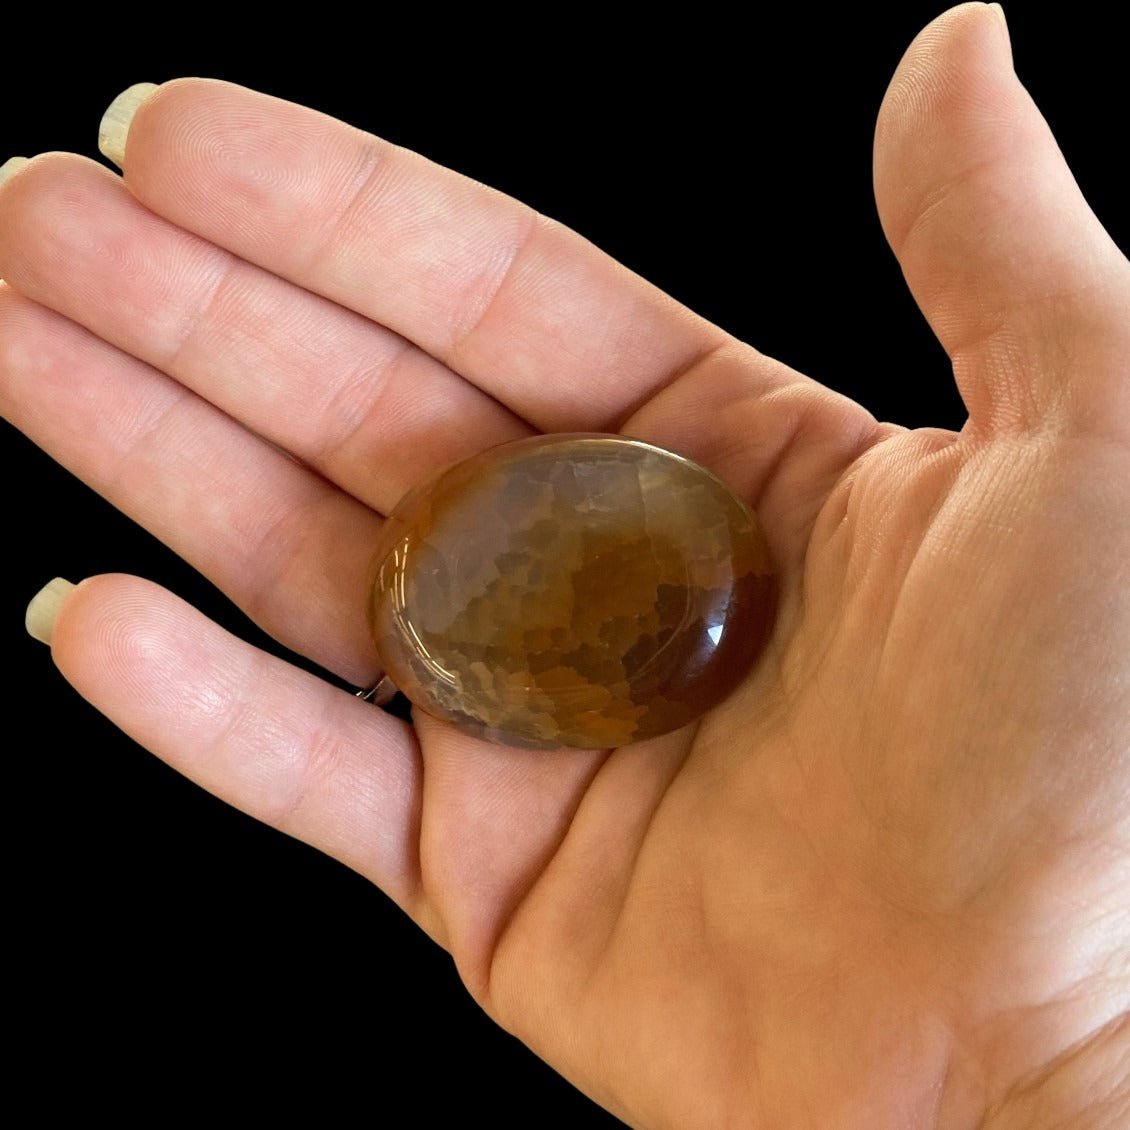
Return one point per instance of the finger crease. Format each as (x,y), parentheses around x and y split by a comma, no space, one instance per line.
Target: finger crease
(237,708)
(276,552)
(934,200)
(354,404)
(675,375)
(227,267)
(318,761)
(371,163)
(465,328)
(143,432)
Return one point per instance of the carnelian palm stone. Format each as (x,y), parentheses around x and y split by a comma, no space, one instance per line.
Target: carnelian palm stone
(571,590)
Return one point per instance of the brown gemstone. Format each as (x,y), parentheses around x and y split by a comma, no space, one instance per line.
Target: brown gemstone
(576,590)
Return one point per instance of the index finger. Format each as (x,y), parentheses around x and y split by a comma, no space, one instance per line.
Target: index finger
(521,306)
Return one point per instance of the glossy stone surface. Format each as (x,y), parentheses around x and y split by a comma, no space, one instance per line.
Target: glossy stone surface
(576,590)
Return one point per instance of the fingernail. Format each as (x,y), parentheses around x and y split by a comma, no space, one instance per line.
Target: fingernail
(44,609)
(998,11)
(114,129)
(12,165)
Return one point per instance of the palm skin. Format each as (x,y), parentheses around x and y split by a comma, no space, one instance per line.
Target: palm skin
(884,883)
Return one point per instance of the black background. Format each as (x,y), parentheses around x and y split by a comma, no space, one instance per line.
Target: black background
(162,940)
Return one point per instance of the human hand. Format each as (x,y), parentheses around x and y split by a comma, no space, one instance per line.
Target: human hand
(841,838)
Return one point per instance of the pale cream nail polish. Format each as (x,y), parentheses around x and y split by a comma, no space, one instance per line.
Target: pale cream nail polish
(13,164)
(44,609)
(114,128)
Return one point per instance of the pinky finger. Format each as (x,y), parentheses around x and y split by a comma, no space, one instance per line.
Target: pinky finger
(274,741)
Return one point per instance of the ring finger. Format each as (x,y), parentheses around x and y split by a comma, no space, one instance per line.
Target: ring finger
(289,548)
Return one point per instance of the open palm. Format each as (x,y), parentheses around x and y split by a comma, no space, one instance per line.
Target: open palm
(888,881)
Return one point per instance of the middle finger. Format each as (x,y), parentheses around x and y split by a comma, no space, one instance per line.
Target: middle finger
(369,410)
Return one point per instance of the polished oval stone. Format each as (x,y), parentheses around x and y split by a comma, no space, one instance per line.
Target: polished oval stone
(571,590)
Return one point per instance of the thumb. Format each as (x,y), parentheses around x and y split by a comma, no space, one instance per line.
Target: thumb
(1025,290)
